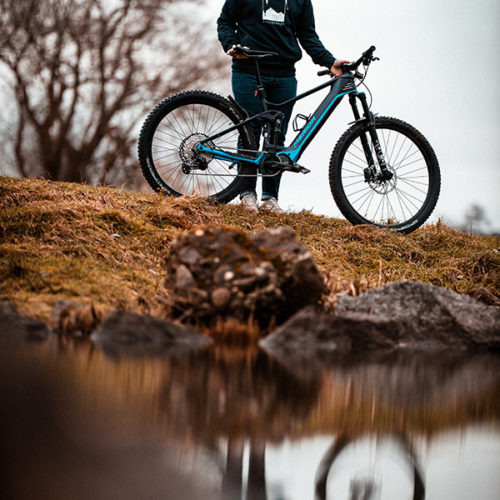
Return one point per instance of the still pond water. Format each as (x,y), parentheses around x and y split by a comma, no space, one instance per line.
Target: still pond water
(230,423)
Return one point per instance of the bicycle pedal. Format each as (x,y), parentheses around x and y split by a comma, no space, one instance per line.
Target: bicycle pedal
(302,170)
(296,168)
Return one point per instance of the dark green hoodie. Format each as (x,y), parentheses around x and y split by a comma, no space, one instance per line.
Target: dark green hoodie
(274,25)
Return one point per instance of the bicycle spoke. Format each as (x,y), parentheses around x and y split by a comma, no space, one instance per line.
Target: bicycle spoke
(409,198)
(355,164)
(418,170)
(417,189)
(353,183)
(362,161)
(368,199)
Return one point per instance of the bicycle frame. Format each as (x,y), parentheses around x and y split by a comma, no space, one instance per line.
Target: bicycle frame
(340,87)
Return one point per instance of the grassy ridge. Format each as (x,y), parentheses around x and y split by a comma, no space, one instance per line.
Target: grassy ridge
(108,246)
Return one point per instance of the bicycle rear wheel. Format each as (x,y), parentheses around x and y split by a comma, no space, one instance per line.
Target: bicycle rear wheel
(403,202)
(168,143)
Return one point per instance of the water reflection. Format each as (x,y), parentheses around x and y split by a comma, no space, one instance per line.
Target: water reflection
(363,483)
(240,423)
(235,394)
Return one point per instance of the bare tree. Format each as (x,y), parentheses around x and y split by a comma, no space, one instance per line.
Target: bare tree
(84,72)
(475,219)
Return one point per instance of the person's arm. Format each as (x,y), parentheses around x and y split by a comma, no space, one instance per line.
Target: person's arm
(308,38)
(227,24)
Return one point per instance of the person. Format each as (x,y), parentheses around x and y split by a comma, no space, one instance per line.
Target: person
(275,26)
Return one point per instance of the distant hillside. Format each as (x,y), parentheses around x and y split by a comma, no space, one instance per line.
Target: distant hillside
(108,246)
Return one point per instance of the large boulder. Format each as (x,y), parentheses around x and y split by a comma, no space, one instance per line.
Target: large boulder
(220,271)
(15,327)
(131,334)
(405,314)
(429,314)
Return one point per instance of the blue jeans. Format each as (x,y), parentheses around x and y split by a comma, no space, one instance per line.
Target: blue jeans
(278,89)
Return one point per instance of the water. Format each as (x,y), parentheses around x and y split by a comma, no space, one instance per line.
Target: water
(232,423)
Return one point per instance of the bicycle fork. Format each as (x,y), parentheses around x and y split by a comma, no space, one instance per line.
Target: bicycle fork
(371,173)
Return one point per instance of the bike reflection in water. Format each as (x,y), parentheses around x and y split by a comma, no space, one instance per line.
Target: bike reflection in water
(242,408)
(362,484)
(365,486)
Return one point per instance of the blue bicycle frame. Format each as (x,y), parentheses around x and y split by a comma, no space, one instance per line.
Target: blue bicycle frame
(340,87)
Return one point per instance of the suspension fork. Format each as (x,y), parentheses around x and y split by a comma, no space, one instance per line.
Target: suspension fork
(369,118)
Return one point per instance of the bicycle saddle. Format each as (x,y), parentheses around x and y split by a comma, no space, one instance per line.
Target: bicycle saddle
(254,54)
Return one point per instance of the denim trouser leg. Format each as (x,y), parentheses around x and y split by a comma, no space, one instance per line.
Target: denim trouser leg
(278,89)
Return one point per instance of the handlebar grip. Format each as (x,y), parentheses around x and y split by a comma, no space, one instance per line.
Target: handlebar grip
(369,52)
(324,72)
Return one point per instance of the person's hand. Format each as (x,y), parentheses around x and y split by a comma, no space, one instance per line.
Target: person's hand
(231,52)
(336,69)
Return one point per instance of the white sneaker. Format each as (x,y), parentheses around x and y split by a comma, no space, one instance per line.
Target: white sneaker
(249,202)
(271,205)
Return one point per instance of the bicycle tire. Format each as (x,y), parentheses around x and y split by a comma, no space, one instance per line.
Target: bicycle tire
(409,157)
(167,147)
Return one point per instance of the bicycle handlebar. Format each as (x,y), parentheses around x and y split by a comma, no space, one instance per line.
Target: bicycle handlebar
(366,58)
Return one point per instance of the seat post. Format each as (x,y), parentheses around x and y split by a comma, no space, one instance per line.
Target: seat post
(261,91)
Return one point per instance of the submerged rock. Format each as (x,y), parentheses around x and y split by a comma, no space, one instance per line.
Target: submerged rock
(136,335)
(399,315)
(15,327)
(222,271)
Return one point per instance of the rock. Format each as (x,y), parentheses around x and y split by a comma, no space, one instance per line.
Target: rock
(77,318)
(220,298)
(219,270)
(406,315)
(15,327)
(300,281)
(309,329)
(136,335)
(429,315)
(184,278)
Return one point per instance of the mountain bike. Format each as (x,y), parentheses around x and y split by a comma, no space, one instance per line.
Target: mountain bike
(382,170)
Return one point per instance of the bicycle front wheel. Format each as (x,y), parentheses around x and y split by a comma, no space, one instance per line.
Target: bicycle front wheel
(403,202)
(168,144)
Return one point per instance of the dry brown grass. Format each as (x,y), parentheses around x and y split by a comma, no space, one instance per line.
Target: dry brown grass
(107,247)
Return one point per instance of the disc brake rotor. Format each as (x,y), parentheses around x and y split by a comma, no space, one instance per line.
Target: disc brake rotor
(384,186)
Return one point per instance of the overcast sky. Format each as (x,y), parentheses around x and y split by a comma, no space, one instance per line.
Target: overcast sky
(438,71)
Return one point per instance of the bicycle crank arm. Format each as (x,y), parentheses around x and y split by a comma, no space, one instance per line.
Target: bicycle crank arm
(294,167)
